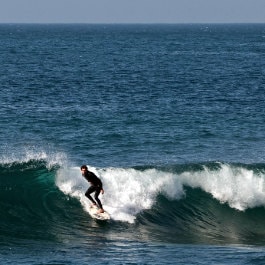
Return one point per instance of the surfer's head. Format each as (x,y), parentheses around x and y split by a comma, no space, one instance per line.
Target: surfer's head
(84,169)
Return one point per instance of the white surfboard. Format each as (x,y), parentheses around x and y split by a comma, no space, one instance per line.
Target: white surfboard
(93,211)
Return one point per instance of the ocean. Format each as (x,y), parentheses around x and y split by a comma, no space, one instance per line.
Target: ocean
(170,117)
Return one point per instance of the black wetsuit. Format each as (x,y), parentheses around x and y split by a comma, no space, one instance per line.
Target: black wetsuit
(96,186)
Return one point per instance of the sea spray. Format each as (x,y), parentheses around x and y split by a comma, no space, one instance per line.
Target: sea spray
(35,153)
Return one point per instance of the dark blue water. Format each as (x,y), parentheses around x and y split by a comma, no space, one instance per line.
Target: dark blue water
(170,117)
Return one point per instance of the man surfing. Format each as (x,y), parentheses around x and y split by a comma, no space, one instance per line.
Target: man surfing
(96,186)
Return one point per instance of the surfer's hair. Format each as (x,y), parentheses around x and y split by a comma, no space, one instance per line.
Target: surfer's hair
(83,167)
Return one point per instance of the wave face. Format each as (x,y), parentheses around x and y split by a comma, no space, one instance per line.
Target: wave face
(190,203)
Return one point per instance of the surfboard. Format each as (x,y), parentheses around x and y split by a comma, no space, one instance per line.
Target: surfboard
(93,211)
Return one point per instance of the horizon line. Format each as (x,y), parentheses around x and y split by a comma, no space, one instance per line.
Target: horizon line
(128,23)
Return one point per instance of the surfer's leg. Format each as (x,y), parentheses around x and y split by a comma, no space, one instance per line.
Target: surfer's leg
(88,192)
(97,199)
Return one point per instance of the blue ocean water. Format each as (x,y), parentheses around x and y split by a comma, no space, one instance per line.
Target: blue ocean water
(170,117)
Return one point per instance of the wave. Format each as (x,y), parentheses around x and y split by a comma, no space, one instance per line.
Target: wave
(203,202)
(133,190)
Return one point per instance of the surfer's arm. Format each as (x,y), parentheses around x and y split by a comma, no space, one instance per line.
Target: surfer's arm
(100,185)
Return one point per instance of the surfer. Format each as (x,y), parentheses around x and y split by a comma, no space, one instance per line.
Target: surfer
(96,186)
